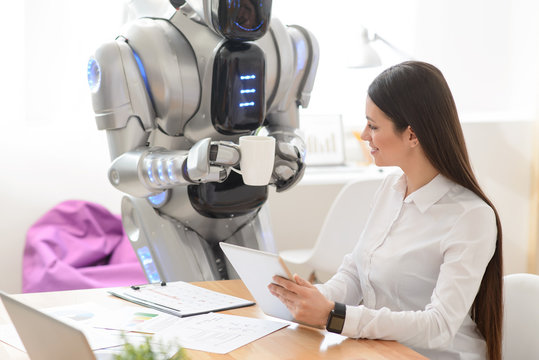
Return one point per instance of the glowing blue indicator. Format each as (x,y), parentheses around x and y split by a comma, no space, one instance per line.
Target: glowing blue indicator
(94,75)
(247,91)
(247,77)
(158,199)
(143,74)
(150,174)
(245,104)
(247,29)
(160,171)
(147,263)
(170,171)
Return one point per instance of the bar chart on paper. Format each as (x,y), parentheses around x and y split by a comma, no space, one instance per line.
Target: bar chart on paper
(323,135)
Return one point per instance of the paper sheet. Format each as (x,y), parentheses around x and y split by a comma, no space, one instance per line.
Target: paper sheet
(180,298)
(216,333)
(126,318)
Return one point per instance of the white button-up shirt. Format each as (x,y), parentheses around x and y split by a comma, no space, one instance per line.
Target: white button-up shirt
(417,267)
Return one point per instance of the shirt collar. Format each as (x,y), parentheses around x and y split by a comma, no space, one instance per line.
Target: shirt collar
(428,194)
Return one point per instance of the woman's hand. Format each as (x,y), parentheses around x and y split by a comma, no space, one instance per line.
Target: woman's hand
(303,299)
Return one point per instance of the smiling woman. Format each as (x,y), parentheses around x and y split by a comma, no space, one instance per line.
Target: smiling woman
(388,146)
(427,269)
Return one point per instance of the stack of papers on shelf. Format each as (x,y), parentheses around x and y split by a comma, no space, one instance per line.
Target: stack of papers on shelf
(180,298)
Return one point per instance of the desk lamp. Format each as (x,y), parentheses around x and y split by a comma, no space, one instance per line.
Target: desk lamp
(366,56)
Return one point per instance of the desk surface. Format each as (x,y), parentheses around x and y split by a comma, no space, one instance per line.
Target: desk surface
(293,342)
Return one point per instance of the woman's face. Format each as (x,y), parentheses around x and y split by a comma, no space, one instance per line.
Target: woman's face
(388,147)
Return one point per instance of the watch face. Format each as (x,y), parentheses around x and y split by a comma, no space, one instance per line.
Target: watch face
(336,324)
(336,318)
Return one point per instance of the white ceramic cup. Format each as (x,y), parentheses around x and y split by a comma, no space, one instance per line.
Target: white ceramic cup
(257,158)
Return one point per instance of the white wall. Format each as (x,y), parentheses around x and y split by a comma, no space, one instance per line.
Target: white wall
(487,49)
(52,151)
(501,154)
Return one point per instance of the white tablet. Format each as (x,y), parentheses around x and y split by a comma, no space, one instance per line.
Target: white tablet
(256,269)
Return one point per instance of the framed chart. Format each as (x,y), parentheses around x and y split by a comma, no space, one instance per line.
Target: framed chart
(323,135)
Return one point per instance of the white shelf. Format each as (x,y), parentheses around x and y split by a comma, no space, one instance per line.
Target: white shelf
(327,175)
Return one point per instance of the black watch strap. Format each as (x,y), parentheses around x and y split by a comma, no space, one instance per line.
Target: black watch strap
(336,318)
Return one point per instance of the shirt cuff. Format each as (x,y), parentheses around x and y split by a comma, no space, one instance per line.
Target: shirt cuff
(353,314)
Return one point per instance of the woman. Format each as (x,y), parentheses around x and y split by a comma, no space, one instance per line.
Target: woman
(427,269)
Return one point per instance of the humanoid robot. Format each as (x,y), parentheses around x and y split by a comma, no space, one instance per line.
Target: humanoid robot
(174,93)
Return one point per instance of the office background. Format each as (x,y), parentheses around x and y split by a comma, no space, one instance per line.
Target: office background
(52,151)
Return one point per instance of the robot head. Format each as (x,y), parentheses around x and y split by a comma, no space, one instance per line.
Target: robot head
(240,20)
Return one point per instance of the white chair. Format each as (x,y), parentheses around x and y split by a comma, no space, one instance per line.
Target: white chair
(340,231)
(521,317)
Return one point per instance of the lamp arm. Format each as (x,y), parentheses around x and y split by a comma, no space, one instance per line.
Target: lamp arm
(392,47)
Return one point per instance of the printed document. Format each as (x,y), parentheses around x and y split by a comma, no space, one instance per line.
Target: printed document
(180,298)
(216,333)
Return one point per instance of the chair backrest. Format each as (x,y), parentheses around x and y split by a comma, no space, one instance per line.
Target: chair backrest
(521,317)
(344,223)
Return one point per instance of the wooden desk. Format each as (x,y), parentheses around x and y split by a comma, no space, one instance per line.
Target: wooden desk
(295,342)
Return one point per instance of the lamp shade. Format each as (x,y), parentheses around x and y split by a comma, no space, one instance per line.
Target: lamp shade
(363,55)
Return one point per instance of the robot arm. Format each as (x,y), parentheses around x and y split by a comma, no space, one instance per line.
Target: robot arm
(294,88)
(145,172)
(123,107)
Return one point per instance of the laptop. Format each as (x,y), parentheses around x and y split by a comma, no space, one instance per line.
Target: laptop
(256,269)
(45,337)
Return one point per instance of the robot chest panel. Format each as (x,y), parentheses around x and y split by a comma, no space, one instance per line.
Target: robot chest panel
(238,94)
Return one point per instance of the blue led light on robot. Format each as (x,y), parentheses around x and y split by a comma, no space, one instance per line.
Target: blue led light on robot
(247,29)
(247,77)
(94,75)
(143,73)
(245,104)
(158,199)
(147,262)
(150,174)
(247,91)
(160,171)
(170,171)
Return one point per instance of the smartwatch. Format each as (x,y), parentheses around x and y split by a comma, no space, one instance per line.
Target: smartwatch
(336,318)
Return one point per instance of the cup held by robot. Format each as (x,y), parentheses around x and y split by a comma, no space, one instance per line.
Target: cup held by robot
(257,158)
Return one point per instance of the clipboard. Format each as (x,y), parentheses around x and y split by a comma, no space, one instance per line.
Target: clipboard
(179,298)
(256,269)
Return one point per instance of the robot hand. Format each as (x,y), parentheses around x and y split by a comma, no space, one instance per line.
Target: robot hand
(210,161)
(289,160)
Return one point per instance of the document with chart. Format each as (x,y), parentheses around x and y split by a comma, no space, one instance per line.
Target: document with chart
(180,298)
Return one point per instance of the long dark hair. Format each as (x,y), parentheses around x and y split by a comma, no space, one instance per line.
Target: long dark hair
(416,94)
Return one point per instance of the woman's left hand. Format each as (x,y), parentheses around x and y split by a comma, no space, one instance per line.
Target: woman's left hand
(303,299)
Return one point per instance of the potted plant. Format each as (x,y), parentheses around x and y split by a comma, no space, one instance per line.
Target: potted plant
(147,351)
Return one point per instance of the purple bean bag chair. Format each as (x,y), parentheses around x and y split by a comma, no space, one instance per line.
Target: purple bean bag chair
(78,245)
